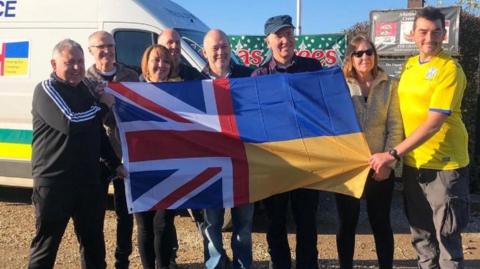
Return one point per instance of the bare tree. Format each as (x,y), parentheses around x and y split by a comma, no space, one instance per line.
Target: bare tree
(358,28)
(470,6)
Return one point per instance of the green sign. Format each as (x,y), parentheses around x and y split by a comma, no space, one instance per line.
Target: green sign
(328,49)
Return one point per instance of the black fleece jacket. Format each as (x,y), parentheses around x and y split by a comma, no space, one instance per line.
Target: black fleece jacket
(68,136)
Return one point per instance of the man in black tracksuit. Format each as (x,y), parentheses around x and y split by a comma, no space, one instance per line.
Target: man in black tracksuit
(68,140)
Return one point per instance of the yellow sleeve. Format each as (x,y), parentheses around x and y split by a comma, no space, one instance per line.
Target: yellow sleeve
(448,91)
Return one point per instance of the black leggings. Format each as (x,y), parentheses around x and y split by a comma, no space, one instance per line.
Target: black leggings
(156,237)
(378,196)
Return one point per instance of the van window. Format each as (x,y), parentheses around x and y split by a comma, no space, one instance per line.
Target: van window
(193,38)
(130,45)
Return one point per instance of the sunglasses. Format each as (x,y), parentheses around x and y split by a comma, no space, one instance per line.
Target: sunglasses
(102,47)
(359,53)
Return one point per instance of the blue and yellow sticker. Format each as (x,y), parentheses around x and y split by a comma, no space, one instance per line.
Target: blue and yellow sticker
(14,58)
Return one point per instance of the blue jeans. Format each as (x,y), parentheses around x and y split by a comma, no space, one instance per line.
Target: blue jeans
(241,237)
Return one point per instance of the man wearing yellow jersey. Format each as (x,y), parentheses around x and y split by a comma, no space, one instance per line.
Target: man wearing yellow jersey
(435,149)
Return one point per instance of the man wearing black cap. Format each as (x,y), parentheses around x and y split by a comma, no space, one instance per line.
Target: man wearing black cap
(280,40)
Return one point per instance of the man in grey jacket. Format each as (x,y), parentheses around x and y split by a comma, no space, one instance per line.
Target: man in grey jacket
(101,46)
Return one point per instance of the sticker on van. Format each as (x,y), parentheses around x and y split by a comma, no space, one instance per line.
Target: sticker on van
(14,58)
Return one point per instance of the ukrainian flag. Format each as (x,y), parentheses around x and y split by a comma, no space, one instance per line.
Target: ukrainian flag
(14,58)
(300,131)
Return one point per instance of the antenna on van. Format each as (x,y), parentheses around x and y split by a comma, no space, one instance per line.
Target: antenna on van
(298,29)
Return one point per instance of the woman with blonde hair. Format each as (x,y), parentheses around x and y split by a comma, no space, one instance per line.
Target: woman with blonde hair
(156,64)
(375,98)
(155,229)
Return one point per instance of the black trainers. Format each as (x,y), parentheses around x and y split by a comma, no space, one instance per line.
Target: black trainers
(173,265)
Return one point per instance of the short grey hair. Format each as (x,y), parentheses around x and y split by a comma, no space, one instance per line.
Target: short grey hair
(63,45)
(99,33)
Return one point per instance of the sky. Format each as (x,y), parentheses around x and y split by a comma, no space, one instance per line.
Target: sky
(247,17)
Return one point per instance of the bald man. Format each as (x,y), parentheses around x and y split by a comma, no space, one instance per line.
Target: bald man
(216,49)
(101,46)
(170,39)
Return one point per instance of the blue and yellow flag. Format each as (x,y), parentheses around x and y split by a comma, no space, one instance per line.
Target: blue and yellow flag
(14,58)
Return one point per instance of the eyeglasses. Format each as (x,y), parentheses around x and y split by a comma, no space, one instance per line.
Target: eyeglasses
(359,53)
(104,46)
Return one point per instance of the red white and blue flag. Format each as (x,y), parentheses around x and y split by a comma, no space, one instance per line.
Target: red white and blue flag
(227,142)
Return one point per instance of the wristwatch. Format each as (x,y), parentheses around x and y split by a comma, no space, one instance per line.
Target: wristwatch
(394,154)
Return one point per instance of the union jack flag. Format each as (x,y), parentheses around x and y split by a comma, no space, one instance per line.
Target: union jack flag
(180,145)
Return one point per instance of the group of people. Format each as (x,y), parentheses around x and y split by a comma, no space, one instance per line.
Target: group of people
(417,118)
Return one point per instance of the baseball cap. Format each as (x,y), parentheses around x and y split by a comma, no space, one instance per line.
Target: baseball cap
(276,23)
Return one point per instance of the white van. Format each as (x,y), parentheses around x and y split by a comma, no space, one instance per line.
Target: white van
(29,29)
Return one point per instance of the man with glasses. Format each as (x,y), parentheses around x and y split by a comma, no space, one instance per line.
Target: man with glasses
(281,41)
(435,150)
(105,69)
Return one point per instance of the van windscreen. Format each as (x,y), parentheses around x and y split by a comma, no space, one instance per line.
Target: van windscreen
(130,45)
(193,38)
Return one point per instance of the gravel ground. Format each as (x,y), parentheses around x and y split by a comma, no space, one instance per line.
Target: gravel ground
(17,228)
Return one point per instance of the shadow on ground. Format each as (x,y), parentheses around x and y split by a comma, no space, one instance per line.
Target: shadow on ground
(326,214)
(324,264)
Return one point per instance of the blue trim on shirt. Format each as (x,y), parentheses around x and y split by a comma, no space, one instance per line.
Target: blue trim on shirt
(444,111)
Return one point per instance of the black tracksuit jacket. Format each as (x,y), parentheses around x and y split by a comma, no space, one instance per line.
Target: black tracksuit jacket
(68,136)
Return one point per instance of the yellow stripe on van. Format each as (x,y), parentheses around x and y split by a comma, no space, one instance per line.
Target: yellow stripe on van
(15,151)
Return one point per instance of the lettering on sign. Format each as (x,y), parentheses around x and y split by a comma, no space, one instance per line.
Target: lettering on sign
(329,49)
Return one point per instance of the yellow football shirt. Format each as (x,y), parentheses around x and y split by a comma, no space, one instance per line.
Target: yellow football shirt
(437,85)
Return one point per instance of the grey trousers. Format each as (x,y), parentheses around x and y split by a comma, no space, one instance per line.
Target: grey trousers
(437,208)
